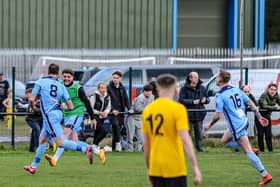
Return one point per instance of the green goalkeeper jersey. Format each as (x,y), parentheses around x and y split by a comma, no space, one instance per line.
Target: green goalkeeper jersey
(79,106)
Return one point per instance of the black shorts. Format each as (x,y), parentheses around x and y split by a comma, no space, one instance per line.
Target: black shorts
(169,182)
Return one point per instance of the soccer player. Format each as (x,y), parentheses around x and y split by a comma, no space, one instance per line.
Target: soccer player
(74,118)
(165,132)
(231,101)
(52,92)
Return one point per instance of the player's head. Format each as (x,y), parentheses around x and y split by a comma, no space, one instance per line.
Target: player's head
(102,88)
(67,76)
(166,84)
(53,69)
(222,78)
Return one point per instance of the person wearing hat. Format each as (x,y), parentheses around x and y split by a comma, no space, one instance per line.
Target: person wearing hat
(4,87)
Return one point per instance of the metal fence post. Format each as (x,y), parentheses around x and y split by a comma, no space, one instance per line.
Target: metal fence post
(130,85)
(13,104)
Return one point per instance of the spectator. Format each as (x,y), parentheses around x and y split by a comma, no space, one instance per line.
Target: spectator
(4,86)
(34,120)
(193,96)
(247,90)
(101,105)
(120,103)
(269,100)
(154,84)
(8,104)
(135,123)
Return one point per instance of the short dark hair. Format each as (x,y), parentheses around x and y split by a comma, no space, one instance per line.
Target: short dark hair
(70,71)
(117,73)
(224,75)
(28,90)
(272,85)
(166,80)
(53,69)
(148,87)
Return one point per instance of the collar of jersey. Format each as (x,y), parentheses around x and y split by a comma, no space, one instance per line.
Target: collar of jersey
(225,88)
(50,77)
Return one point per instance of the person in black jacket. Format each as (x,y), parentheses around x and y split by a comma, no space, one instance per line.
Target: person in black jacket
(247,90)
(119,103)
(193,96)
(4,86)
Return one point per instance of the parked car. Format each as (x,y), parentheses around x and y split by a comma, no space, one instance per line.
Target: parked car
(19,92)
(84,74)
(258,79)
(142,74)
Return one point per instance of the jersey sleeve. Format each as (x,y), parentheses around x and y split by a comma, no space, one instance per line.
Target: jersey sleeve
(219,103)
(181,117)
(36,89)
(145,124)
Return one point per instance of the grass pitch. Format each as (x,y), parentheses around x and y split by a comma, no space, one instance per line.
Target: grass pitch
(220,167)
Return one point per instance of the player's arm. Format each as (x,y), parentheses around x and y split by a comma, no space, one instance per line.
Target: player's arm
(188,148)
(263,121)
(69,105)
(217,116)
(146,147)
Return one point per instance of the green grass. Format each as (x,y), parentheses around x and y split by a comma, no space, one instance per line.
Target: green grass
(21,127)
(220,167)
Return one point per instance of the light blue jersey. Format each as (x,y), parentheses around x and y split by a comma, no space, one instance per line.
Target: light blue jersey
(231,101)
(51,93)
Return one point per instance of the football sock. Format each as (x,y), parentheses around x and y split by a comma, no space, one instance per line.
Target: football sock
(58,153)
(39,153)
(71,145)
(232,144)
(256,162)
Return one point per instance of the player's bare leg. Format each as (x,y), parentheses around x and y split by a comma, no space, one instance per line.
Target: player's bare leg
(254,159)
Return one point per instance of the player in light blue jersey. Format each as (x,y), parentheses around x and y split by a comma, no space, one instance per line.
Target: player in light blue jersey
(73,118)
(231,102)
(52,92)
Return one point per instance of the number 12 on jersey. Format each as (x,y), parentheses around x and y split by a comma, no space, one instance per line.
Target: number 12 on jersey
(156,122)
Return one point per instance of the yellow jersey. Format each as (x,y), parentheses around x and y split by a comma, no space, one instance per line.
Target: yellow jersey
(161,121)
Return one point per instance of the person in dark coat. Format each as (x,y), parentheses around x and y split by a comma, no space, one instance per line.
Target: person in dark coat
(119,103)
(193,95)
(4,87)
(269,100)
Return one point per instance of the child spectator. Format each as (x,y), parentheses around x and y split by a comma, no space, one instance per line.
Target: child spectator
(8,104)
(134,121)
